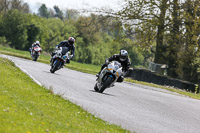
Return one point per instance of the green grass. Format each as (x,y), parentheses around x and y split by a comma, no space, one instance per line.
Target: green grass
(179,91)
(88,68)
(26,107)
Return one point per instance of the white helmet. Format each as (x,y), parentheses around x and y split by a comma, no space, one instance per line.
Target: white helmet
(37,42)
(123,55)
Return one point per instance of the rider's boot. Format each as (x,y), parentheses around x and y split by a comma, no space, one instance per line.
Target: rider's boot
(63,65)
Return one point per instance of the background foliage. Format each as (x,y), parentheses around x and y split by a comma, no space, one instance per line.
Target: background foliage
(97,37)
(162,31)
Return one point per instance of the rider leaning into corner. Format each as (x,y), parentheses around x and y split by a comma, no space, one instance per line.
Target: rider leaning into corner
(122,58)
(66,43)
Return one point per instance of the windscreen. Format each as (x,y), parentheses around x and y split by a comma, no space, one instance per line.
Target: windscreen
(117,63)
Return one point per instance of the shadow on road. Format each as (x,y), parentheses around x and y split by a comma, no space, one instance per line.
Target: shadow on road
(103,93)
(51,73)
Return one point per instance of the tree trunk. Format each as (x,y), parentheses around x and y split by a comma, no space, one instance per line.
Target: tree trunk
(174,42)
(160,48)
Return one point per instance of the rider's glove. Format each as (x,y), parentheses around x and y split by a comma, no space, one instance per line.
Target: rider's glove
(107,62)
(57,47)
(71,56)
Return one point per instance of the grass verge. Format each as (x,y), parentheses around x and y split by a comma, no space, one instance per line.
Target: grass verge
(27,107)
(179,91)
(88,68)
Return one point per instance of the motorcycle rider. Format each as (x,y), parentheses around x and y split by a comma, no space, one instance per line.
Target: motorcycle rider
(122,58)
(66,43)
(37,43)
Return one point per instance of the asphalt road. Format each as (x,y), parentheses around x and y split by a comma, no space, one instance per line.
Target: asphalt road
(135,107)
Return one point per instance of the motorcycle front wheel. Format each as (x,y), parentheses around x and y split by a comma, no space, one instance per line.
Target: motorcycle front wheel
(96,88)
(55,66)
(35,57)
(106,83)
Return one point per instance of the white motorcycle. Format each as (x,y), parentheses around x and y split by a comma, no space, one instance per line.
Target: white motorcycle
(36,53)
(60,58)
(108,76)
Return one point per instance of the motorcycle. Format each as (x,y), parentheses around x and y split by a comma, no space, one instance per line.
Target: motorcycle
(108,76)
(36,53)
(62,54)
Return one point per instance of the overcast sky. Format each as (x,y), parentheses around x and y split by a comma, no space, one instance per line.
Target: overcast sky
(75,4)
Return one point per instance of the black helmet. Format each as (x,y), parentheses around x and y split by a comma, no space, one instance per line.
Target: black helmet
(123,55)
(71,40)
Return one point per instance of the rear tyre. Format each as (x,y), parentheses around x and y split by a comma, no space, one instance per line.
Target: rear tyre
(106,84)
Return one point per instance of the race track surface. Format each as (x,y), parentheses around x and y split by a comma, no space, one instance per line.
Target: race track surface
(134,107)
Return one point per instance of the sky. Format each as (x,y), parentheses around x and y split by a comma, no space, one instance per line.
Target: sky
(75,4)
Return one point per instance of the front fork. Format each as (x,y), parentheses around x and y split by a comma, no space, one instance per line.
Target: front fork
(101,76)
(55,60)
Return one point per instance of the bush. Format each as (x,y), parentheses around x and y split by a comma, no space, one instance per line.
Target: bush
(3,41)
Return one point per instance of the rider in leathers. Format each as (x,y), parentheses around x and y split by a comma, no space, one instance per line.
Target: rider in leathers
(121,58)
(67,43)
(37,43)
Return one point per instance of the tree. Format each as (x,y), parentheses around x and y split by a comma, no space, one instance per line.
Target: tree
(14,24)
(148,12)
(43,12)
(19,5)
(58,13)
(71,14)
(25,8)
(190,50)
(51,13)
(4,5)
(32,33)
(174,39)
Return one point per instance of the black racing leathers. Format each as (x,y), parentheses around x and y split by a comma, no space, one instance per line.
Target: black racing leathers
(66,44)
(125,65)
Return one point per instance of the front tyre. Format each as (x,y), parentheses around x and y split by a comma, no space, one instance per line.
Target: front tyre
(55,66)
(96,88)
(106,83)
(35,56)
